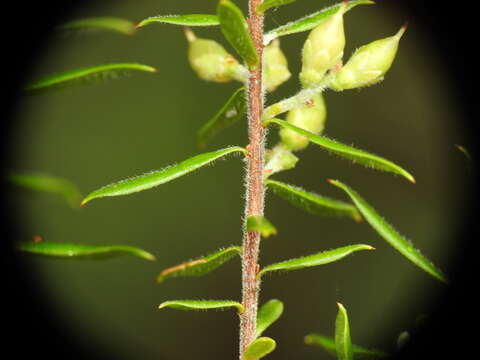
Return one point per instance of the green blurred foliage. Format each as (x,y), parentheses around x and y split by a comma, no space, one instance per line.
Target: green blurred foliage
(97,134)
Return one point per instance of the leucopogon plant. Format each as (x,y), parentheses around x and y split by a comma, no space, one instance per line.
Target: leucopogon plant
(264,67)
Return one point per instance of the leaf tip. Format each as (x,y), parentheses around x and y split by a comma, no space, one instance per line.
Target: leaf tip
(149,257)
(189,34)
(333,182)
(162,305)
(357,217)
(411,178)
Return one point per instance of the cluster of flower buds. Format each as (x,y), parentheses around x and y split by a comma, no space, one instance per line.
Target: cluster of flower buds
(211,61)
(310,117)
(323,49)
(276,66)
(368,64)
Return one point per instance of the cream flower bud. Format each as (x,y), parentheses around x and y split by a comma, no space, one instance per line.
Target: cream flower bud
(276,66)
(278,159)
(368,64)
(310,117)
(323,48)
(211,61)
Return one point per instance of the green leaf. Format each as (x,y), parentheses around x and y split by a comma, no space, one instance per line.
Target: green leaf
(81,251)
(49,184)
(313,203)
(185,20)
(200,266)
(386,231)
(328,344)
(262,225)
(236,31)
(267,315)
(201,305)
(233,110)
(259,348)
(114,24)
(156,178)
(87,75)
(310,21)
(343,342)
(348,152)
(321,258)
(268,4)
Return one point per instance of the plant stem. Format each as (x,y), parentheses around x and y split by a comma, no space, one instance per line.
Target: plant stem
(255,186)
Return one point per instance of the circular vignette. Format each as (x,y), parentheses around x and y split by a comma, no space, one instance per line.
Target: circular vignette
(29,324)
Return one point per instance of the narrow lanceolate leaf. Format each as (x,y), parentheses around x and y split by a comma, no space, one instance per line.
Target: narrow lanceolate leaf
(262,225)
(233,110)
(268,4)
(156,178)
(310,21)
(108,23)
(348,152)
(50,184)
(268,314)
(202,305)
(328,344)
(235,28)
(88,75)
(386,231)
(322,258)
(185,20)
(313,203)
(343,342)
(81,251)
(200,266)
(259,348)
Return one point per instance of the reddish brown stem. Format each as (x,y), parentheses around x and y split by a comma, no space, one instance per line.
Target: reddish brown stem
(255,186)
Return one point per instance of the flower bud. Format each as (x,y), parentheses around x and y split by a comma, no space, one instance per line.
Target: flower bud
(323,48)
(368,64)
(278,159)
(310,117)
(211,61)
(276,66)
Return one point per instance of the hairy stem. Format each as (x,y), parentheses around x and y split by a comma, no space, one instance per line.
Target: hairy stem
(255,186)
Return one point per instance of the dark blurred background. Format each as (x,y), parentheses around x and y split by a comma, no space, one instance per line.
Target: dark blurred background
(105,132)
